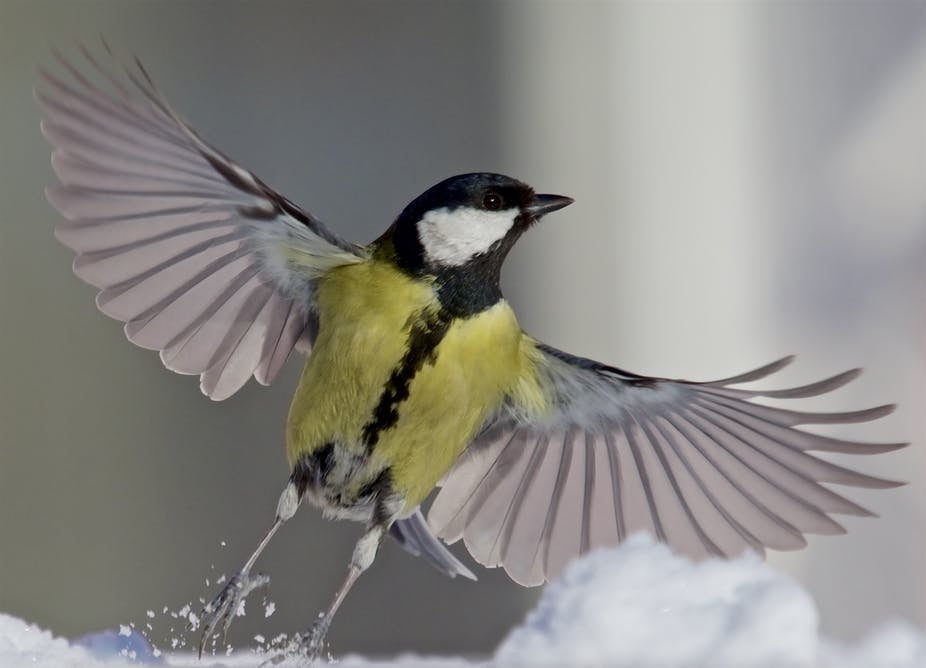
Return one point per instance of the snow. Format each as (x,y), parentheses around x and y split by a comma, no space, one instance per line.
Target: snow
(635,606)
(641,605)
(665,611)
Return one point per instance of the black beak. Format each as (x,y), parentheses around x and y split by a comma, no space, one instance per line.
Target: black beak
(544,204)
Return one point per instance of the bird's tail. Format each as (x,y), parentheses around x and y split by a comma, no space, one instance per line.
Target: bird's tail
(415,536)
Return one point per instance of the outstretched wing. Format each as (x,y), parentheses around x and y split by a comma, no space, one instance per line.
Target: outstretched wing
(698,465)
(200,258)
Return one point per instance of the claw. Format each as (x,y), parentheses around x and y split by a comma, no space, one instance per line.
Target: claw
(309,646)
(224,607)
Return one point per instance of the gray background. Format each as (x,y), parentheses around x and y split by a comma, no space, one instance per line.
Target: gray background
(749,182)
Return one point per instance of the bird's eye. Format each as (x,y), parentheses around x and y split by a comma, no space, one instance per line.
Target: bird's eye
(492,202)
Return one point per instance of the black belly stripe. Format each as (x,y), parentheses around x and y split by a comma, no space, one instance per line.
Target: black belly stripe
(423,339)
(312,468)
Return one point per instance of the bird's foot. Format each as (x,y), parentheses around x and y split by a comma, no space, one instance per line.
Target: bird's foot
(226,605)
(307,647)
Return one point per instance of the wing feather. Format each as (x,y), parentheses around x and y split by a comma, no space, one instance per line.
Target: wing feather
(674,521)
(193,252)
(802,392)
(511,501)
(576,495)
(795,444)
(567,503)
(753,509)
(492,499)
(521,548)
(718,524)
(606,521)
(700,466)
(788,418)
(771,485)
(472,470)
(756,374)
(186,314)
(238,355)
(86,173)
(685,526)
(295,334)
(632,494)
(788,469)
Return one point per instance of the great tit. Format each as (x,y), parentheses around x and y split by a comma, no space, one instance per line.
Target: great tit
(418,375)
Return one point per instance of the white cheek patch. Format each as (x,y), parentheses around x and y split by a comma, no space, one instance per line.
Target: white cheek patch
(453,237)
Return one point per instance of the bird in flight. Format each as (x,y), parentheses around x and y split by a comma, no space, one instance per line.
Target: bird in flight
(418,376)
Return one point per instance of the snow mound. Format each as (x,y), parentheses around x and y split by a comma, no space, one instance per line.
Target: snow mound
(641,605)
(636,606)
(23,644)
(894,645)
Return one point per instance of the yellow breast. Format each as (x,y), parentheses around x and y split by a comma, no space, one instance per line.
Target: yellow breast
(476,365)
(366,312)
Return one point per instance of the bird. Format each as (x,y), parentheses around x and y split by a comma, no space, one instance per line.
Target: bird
(419,384)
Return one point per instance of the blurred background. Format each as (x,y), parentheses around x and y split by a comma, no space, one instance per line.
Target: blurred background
(750,182)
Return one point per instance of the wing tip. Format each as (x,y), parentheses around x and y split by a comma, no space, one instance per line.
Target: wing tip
(755,374)
(852,374)
(879,412)
(886,483)
(882,448)
(785,361)
(865,481)
(817,388)
(868,414)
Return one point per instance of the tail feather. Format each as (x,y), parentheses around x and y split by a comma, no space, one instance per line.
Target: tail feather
(414,535)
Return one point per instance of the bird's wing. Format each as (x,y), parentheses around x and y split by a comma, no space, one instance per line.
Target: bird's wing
(698,465)
(200,258)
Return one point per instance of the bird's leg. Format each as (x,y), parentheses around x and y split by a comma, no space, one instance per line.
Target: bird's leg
(312,643)
(223,608)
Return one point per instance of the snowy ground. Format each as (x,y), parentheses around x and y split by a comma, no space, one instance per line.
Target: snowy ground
(636,606)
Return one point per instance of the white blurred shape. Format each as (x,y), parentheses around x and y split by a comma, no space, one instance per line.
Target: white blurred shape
(641,605)
(658,265)
(879,170)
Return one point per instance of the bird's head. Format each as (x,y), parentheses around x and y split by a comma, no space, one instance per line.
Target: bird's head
(467,222)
